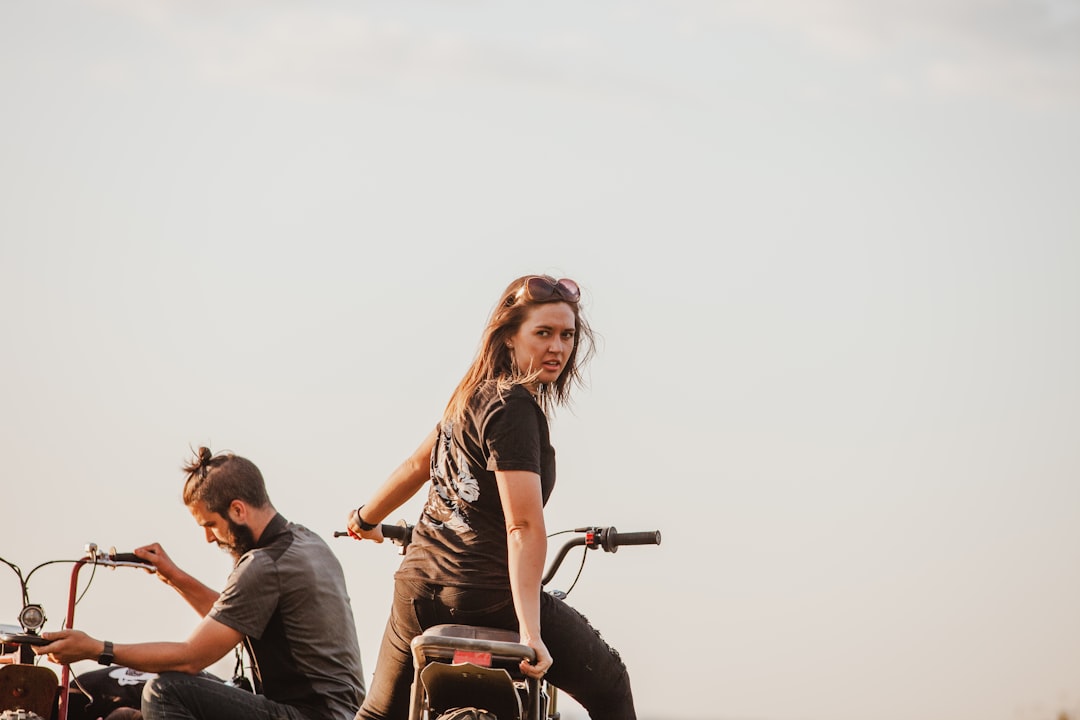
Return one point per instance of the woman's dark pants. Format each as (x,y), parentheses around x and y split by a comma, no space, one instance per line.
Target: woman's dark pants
(585,666)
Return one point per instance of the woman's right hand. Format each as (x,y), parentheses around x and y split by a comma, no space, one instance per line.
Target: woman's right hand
(543,659)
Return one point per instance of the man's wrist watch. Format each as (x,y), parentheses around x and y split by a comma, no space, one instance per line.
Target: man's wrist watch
(106,656)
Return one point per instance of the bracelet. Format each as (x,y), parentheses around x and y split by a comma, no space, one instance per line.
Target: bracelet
(365,526)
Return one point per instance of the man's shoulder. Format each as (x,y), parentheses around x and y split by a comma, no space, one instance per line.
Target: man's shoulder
(295,545)
(301,546)
(301,538)
(254,562)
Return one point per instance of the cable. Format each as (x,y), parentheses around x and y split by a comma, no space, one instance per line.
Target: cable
(93,574)
(584,554)
(84,691)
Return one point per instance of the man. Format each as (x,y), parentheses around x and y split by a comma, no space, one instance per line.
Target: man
(285,598)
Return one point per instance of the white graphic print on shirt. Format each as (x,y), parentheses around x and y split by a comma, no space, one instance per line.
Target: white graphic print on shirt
(454,484)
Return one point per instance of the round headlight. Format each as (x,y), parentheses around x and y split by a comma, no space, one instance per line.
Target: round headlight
(32,618)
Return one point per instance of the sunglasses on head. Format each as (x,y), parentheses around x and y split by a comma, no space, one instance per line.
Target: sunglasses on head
(542,289)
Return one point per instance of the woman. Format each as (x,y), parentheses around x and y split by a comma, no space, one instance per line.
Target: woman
(478,550)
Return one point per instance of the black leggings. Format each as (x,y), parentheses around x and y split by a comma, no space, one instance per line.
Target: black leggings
(585,666)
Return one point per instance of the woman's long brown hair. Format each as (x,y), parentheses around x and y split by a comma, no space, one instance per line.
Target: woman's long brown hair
(494,361)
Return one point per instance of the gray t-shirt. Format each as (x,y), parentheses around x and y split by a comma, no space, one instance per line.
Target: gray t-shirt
(288,597)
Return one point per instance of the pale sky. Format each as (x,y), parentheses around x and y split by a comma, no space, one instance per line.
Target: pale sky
(832,248)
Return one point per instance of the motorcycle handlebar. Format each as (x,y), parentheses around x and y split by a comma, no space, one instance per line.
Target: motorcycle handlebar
(611,539)
(593,537)
(130,558)
(400,534)
(606,537)
(97,556)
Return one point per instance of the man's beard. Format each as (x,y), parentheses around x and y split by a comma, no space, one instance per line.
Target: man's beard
(242,539)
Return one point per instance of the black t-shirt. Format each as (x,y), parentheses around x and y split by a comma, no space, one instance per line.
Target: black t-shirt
(460,539)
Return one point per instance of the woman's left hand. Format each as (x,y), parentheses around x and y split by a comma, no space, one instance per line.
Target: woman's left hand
(352,524)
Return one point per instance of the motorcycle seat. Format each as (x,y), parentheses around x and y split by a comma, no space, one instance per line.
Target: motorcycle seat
(473,632)
(28,687)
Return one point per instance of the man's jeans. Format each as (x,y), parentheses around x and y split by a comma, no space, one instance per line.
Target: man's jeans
(179,696)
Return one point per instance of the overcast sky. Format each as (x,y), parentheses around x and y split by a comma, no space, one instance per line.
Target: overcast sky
(832,249)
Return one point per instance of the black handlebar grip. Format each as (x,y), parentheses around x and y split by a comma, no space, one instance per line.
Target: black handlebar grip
(21,639)
(399,533)
(615,538)
(129,558)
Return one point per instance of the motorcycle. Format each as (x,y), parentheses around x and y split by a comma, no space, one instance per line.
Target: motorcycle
(464,672)
(28,690)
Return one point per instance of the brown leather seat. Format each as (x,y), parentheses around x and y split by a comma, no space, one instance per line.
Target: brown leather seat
(28,687)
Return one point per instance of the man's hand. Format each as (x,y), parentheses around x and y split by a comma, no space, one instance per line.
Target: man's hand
(198,595)
(154,554)
(68,646)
